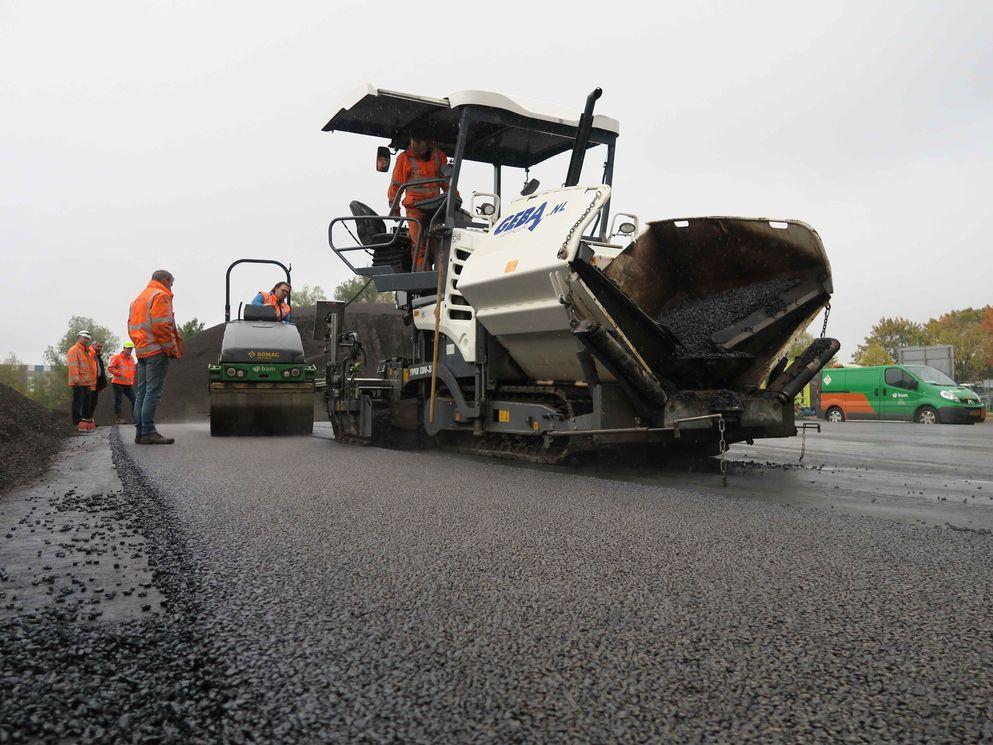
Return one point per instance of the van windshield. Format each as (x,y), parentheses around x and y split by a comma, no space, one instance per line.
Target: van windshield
(930,375)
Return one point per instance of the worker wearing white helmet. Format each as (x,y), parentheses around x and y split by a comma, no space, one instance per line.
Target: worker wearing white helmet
(82,379)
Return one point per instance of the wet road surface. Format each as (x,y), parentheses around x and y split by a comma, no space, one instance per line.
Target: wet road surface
(324,592)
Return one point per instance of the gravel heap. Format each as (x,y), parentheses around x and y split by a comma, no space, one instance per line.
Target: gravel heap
(30,435)
(380,328)
(66,676)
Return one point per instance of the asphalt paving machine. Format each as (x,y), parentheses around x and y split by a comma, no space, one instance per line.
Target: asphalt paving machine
(549,329)
(261,383)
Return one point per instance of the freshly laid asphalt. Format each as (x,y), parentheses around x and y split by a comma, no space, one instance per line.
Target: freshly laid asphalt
(315,591)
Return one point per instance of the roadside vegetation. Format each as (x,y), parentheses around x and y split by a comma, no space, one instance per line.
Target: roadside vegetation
(969,330)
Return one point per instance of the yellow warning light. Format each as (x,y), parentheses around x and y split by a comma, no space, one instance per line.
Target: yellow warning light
(503,415)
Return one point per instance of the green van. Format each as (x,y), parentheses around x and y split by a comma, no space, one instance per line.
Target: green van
(913,393)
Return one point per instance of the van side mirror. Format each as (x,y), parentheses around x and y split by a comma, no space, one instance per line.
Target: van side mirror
(913,385)
(382,159)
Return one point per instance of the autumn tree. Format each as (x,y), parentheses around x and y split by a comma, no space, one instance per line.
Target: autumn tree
(872,353)
(964,329)
(308,295)
(890,334)
(191,328)
(14,374)
(50,388)
(360,290)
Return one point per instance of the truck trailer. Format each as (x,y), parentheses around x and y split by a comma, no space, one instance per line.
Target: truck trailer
(548,327)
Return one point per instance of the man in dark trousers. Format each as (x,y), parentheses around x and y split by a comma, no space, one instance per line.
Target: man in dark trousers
(96,352)
(82,378)
(122,369)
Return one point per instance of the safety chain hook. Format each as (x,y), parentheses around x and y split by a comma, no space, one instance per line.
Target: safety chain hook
(564,251)
(724,449)
(827,312)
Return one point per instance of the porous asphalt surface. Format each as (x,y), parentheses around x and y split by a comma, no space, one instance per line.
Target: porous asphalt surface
(320,592)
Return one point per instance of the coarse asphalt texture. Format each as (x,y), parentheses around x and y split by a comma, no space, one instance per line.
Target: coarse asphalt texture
(324,592)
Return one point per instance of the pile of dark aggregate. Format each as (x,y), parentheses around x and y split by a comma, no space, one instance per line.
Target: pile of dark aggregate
(66,676)
(695,320)
(30,435)
(380,328)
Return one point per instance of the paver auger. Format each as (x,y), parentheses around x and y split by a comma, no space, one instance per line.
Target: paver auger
(261,384)
(548,329)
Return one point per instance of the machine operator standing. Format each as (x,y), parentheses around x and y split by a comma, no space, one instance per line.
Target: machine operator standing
(421,160)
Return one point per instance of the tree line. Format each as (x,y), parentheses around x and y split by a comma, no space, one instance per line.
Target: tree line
(969,330)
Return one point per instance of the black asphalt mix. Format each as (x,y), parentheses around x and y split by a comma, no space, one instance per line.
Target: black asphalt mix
(316,592)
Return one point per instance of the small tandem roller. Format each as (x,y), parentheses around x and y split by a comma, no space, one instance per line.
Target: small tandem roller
(261,384)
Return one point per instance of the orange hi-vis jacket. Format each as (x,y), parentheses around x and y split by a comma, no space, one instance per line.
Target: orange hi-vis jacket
(121,367)
(282,307)
(409,167)
(82,367)
(151,324)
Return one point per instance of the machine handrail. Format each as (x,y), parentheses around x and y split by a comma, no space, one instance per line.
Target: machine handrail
(362,246)
(227,280)
(395,204)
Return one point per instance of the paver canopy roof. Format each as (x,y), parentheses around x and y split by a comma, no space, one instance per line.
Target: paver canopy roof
(505,131)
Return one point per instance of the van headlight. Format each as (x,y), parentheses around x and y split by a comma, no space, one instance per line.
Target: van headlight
(949,395)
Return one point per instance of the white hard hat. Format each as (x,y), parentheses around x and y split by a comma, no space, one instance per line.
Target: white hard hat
(85,333)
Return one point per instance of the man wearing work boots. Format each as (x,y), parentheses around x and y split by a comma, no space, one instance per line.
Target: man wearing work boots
(152,328)
(82,379)
(122,368)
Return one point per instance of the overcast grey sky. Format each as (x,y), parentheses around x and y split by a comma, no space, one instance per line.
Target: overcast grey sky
(139,135)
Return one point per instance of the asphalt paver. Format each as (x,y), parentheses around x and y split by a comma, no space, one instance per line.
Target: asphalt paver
(325,592)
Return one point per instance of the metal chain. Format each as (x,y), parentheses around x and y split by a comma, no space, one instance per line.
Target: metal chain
(724,449)
(564,251)
(827,312)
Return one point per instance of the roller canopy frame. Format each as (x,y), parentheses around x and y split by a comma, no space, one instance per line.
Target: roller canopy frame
(227,280)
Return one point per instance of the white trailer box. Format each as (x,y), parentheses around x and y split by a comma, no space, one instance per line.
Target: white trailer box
(939,356)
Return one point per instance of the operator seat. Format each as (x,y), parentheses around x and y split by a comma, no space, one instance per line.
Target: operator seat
(371,232)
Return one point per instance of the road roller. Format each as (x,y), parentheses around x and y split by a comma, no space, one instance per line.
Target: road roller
(261,383)
(547,327)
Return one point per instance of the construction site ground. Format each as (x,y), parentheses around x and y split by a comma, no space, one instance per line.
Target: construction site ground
(295,589)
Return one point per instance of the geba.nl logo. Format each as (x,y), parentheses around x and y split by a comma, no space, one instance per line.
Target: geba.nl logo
(529,218)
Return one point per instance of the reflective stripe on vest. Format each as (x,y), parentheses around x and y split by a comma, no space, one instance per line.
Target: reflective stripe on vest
(283,308)
(425,169)
(147,327)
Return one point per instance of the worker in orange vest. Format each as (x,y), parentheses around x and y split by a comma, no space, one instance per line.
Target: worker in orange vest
(152,328)
(421,160)
(96,352)
(278,298)
(122,368)
(82,379)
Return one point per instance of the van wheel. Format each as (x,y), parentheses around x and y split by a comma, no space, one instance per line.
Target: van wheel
(834,414)
(927,415)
